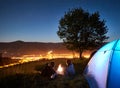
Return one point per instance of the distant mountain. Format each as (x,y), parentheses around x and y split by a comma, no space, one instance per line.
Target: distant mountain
(19,48)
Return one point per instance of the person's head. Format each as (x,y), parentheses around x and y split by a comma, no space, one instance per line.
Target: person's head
(52,64)
(68,62)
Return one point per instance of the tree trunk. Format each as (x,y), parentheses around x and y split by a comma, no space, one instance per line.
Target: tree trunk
(73,54)
(80,54)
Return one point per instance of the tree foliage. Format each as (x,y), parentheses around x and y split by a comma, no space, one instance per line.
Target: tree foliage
(81,30)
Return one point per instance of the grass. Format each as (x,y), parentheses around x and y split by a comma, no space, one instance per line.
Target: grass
(27,76)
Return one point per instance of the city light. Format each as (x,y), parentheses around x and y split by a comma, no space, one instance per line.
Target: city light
(48,56)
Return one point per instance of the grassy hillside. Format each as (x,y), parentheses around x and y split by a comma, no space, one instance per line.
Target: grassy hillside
(27,76)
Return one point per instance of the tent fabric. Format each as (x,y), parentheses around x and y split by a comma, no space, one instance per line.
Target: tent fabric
(103,70)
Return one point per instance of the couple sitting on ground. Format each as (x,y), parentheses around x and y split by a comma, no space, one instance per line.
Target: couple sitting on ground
(50,72)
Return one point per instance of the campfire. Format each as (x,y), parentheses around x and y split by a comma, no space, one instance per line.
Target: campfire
(60,70)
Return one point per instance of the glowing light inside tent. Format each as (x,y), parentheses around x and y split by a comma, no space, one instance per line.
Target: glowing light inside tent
(60,70)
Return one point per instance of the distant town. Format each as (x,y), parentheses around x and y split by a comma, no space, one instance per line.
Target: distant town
(21,52)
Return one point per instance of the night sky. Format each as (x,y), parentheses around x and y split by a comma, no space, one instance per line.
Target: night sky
(38,20)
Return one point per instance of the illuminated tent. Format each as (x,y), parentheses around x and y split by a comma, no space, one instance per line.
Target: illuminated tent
(103,70)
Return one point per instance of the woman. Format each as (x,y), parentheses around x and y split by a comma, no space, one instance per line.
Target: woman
(70,71)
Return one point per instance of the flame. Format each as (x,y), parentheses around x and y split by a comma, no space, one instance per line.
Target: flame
(60,70)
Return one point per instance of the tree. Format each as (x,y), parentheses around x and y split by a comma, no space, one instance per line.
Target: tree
(81,30)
